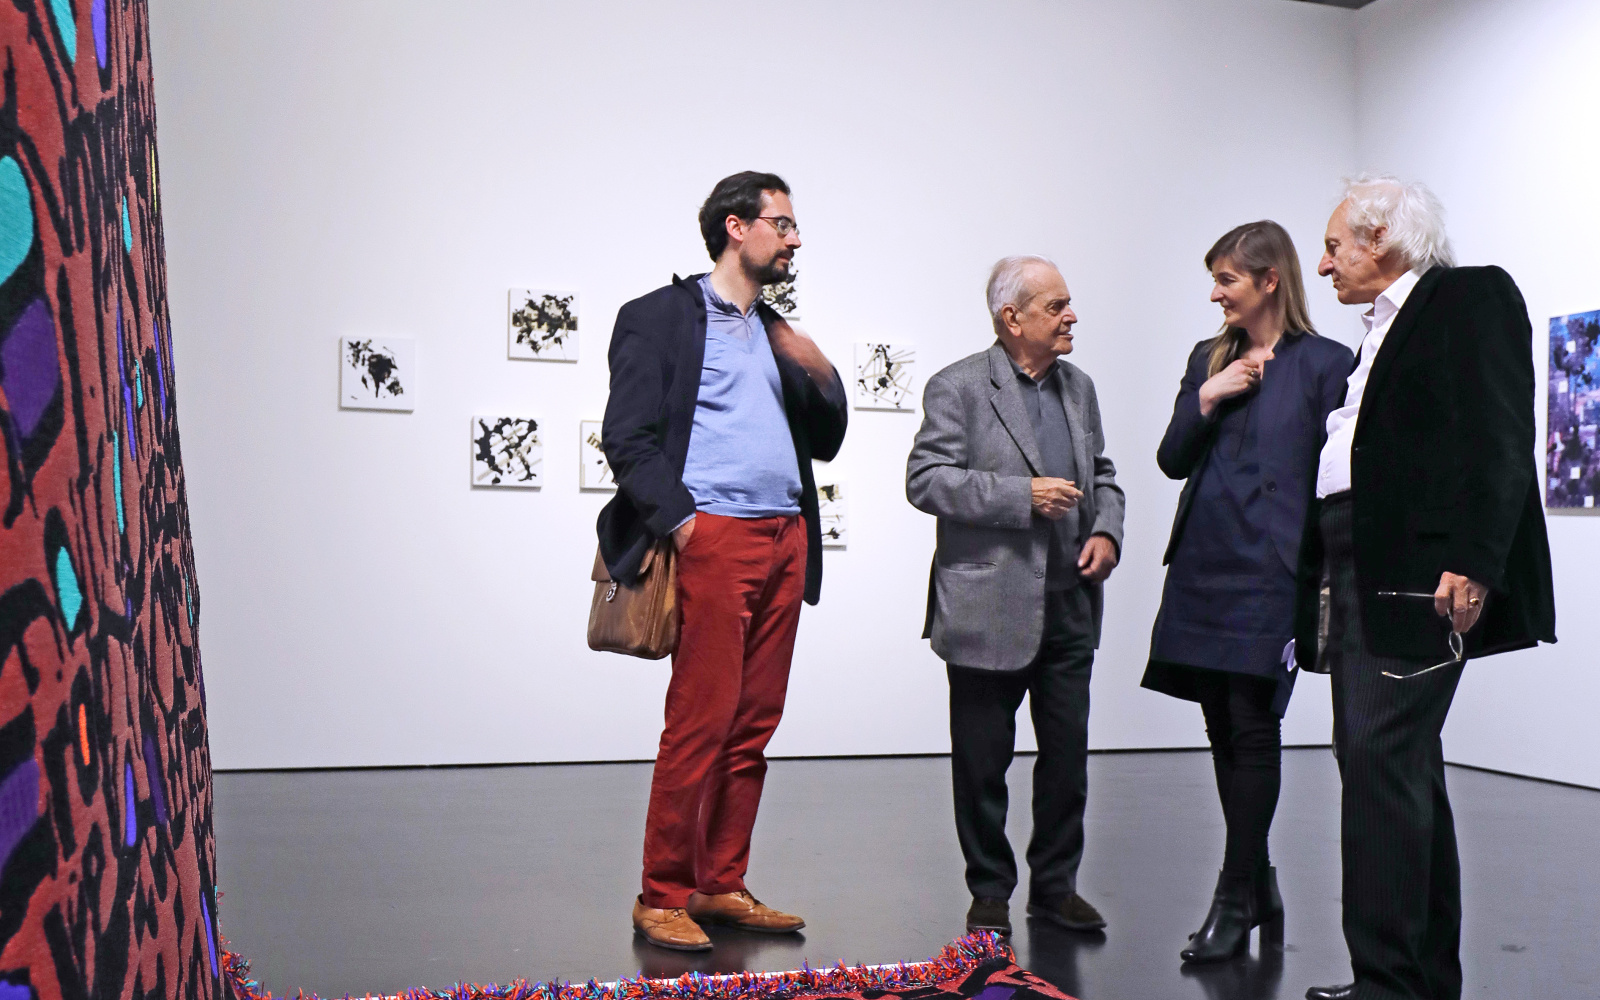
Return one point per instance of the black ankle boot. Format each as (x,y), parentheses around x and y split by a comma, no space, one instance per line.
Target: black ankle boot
(1269,906)
(1226,931)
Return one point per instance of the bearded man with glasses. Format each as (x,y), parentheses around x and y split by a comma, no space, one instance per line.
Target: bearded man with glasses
(717,408)
(1429,549)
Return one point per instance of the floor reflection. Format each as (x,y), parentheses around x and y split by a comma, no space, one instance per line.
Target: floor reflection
(733,951)
(1248,977)
(1054,952)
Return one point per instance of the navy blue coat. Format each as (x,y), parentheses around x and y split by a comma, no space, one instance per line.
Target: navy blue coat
(1303,383)
(1228,602)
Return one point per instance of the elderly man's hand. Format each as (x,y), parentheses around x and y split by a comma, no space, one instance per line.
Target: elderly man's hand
(1054,497)
(1098,558)
(1460,600)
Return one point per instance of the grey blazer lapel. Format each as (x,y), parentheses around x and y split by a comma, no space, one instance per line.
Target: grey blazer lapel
(1007,402)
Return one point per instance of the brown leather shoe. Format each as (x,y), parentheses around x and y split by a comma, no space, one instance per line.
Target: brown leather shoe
(740,909)
(668,928)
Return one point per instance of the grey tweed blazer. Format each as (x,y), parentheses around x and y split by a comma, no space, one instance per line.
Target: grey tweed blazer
(971,467)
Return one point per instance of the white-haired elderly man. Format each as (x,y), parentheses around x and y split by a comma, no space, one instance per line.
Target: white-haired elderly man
(1431,551)
(1011,460)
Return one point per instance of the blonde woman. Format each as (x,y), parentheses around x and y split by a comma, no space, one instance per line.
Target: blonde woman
(1245,434)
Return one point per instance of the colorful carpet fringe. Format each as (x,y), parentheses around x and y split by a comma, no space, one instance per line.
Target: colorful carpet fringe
(956,959)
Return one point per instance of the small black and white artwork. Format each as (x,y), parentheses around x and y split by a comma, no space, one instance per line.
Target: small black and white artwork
(884,375)
(377,373)
(594,472)
(781,297)
(507,452)
(832,515)
(543,325)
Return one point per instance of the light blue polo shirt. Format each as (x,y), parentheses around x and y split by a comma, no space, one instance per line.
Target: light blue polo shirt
(741,460)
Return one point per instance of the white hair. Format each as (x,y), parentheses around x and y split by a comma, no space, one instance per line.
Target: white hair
(1008,283)
(1410,215)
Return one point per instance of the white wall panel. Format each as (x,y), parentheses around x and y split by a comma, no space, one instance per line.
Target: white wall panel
(335,169)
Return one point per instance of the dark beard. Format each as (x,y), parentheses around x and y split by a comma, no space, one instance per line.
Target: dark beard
(774,271)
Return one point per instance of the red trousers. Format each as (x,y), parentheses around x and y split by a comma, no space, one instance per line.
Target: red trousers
(740,586)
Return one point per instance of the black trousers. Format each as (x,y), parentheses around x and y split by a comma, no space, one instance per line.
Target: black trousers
(1247,754)
(983,731)
(1402,877)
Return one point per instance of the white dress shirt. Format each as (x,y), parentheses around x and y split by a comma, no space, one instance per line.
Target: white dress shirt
(1333,473)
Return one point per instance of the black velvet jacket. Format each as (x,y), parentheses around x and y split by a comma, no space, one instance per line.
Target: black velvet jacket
(657,349)
(1442,474)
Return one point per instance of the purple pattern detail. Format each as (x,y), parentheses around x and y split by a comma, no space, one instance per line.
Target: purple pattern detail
(127,390)
(19,806)
(130,806)
(152,772)
(995,993)
(32,369)
(161,369)
(15,991)
(97,20)
(211,934)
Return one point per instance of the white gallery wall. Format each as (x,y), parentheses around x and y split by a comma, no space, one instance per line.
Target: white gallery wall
(350,169)
(1496,104)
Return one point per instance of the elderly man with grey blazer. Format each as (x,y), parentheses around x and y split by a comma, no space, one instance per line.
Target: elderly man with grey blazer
(1011,460)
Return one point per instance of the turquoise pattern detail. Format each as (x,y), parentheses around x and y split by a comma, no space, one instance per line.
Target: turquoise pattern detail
(67,589)
(116,482)
(127,227)
(61,10)
(16,218)
(138,384)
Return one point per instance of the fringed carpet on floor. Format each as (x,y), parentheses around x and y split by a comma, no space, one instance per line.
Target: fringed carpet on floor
(976,967)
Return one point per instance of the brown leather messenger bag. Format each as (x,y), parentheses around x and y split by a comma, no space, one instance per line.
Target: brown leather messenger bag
(642,619)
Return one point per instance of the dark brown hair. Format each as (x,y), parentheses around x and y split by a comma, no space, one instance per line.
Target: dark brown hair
(738,195)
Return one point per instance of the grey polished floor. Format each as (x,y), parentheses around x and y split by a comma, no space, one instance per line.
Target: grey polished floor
(376,881)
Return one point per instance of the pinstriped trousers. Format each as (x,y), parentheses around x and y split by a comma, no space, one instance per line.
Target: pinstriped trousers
(1402,877)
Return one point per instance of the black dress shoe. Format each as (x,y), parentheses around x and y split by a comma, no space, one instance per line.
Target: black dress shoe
(1072,912)
(1346,992)
(1225,933)
(989,913)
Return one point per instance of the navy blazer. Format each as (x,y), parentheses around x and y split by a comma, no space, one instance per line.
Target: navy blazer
(657,350)
(1301,385)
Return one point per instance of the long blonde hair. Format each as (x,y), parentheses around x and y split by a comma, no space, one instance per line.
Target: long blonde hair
(1256,248)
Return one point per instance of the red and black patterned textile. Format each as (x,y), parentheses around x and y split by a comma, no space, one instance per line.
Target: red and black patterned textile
(106,858)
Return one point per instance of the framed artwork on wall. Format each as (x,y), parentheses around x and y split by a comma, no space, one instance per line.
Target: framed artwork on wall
(507,452)
(832,515)
(1572,467)
(542,325)
(594,472)
(377,373)
(883,377)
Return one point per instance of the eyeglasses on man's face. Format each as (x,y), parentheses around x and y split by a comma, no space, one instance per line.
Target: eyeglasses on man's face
(782,223)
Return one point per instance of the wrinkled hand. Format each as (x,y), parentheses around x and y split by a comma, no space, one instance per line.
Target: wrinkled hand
(792,343)
(1460,600)
(1054,497)
(1098,558)
(680,534)
(1234,380)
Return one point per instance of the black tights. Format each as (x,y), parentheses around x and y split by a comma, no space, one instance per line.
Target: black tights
(1247,752)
